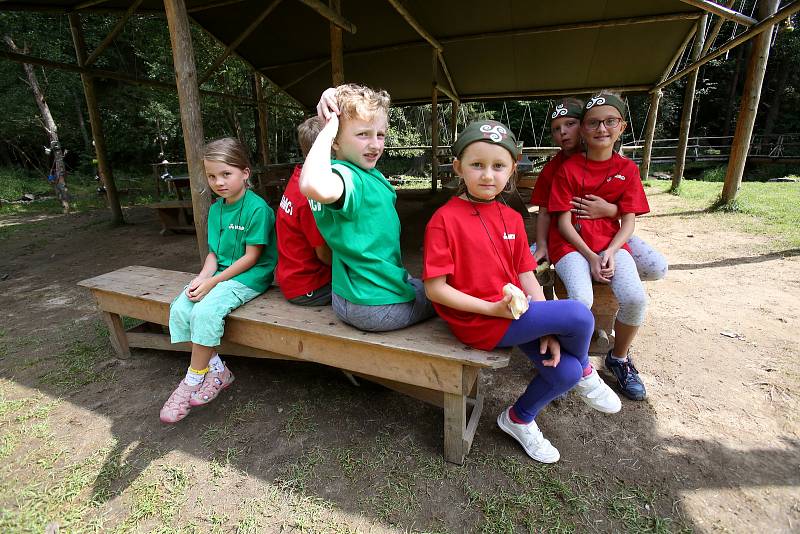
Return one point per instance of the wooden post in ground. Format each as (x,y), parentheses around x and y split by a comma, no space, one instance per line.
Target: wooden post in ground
(337,49)
(434,127)
(96,123)
(454,120)
(650,131)
(688,104)
(191,119)
(263,121)
(756,67)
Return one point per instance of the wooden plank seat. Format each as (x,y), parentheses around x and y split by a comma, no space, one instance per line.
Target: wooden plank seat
(604,309)
(174,215)
(424,361)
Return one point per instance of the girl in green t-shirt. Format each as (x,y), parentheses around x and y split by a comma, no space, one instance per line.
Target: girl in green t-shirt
(239,266)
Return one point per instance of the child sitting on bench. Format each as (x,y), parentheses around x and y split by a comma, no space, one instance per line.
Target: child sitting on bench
(475,246)
(238,268)
(596,249)
(304,259)
(565,123)
(353,205)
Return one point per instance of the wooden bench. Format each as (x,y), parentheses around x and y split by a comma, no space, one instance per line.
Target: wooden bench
(423,361)
(604,309)
(174,215)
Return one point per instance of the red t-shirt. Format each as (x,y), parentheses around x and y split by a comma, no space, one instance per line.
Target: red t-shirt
(299,271)
(541,191)
(478,254)
(615,180)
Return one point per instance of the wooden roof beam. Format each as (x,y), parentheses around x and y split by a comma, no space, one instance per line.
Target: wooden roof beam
(330,15)
(766,24)
(679,52)
(113,33)
(236,42)
(712,35)
(722,11)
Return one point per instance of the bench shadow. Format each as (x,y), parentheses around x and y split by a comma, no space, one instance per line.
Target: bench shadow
(726,262)
(277,413)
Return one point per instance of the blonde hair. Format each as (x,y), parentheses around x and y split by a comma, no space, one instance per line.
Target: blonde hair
(307,132)
(228,151)
(361,102)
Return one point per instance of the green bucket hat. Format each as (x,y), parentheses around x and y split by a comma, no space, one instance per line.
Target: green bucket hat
(566,108)
(489,132)
(606,99)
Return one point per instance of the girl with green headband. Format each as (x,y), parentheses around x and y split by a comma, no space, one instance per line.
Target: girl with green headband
(584,249)
(476,259)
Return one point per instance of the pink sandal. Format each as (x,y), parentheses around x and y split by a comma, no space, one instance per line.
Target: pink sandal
(211,387)
(178,404)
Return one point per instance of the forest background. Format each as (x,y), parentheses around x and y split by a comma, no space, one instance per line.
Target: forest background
(141,121)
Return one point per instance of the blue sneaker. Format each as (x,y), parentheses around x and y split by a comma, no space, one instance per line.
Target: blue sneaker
(627,377)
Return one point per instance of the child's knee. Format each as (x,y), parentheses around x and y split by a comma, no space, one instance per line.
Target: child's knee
(653,272)
(632,309)
(567,373)
(579,315)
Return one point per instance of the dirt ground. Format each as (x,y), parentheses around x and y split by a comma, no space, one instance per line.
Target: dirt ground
(714,448)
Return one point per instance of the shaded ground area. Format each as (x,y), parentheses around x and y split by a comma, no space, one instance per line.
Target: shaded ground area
(293,446)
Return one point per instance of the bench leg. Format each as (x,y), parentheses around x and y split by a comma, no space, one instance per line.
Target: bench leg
(119,338)
(455,426)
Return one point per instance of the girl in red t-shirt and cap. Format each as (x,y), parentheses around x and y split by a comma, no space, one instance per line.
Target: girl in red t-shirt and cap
(476,257)
(586,249)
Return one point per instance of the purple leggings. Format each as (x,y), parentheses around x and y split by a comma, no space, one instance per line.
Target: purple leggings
(573,324)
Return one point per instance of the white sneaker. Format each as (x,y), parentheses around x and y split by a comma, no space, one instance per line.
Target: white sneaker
(530,437)
(597,394)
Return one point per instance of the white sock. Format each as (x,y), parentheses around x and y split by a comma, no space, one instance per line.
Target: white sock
(192,378)
(216,364)
(620,359)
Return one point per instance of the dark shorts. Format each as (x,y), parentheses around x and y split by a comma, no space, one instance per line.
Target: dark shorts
(318,297)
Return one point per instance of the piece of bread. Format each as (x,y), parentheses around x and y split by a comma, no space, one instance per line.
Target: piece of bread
(519,302)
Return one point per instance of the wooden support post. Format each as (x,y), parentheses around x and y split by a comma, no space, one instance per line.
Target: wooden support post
(113,33)
(191,119)
(263,122)
(337,49)
(117,334)
(688,104)
(103,165)
(754,78)
(650,130)
(454,120)
(434,128)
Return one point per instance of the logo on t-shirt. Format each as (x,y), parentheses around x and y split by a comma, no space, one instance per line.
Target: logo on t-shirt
(618,176)
(286,205)
(314,205)
(508,236)
(235,227)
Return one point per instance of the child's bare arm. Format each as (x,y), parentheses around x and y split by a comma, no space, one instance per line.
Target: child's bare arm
(542,227)
(324,253)
(593,207)
(250,258)
(531,287)
(317,180)
(439,291)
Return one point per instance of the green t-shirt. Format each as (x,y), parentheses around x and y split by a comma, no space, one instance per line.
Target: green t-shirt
(231,227)
(363,231)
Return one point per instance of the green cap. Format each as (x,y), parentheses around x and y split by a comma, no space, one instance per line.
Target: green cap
(487,131)
(567,108)
(606,99)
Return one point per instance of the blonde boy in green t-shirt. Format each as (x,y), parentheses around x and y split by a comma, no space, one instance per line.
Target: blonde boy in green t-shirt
(353,205)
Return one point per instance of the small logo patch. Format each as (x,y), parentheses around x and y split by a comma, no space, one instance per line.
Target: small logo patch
(314,205)
(560,111)
(595,101)
(617,176)
(509,236)
(496,133)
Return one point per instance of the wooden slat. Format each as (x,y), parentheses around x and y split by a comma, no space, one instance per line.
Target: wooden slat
(156,341)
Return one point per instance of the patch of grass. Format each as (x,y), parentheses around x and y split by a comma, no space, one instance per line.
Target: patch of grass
(635,509)
(157,495)
(298,420)
(761,208)
(297,474)
(74,367)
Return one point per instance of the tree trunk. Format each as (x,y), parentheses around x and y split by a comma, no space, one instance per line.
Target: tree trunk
(58,172)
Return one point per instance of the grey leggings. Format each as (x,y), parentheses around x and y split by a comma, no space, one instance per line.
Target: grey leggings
(650,263)
(573,269)
(385,317)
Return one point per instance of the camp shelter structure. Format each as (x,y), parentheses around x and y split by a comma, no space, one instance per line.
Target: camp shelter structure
(417,50)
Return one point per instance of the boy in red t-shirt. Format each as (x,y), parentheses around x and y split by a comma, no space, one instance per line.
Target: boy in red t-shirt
(304,259)
(586,249)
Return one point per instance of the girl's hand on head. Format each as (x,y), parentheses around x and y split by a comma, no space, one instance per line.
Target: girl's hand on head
(550,344)
(202,289)
(501,309)
(327,105)
(331,127)
(592,207)
(595,265)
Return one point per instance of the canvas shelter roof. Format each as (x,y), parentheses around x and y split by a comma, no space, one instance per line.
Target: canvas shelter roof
(492,49)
